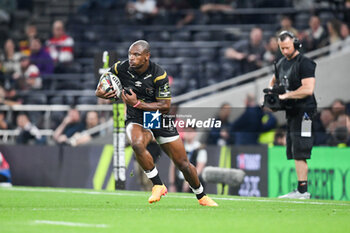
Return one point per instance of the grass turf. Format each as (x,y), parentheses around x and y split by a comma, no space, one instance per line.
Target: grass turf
(24,209)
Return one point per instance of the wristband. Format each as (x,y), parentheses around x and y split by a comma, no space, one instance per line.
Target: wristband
(137,104)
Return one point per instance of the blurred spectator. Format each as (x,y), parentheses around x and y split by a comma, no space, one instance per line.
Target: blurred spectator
(197,155)
(338,107)
(245,129)
(321,126)
(340,134)
(28,131)
(3,77)
(40,57)
(9,97)
(316,36)
(334,36)
(91,121)
(248,54)
(286,24)
(344,31)
(345,34)
(70,125)
(28,77)
(280,137)
(10,58)
(272,53)
(60,46)
(173,10)
(340,137)
(268,126)
(220,136)
(347,123)
(5,174)
(31,32)
(142,10)
(3,122)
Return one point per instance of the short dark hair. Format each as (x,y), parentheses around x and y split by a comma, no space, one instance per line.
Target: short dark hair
(285,34)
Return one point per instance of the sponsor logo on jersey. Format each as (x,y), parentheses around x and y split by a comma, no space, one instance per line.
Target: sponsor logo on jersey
(138,84)
(164,91)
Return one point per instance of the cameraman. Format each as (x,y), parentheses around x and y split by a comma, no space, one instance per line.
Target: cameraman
(296,74)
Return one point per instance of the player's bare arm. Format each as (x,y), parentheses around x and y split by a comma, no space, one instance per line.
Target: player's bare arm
(103,94)
(163,105)
(306,89)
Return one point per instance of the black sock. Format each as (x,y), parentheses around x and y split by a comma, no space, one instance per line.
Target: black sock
(199,196)
(153,175)
(302,186)
(156,180)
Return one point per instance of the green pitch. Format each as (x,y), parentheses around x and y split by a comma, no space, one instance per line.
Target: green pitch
(37,210)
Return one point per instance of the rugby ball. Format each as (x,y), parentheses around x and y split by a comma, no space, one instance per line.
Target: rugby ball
(111,82)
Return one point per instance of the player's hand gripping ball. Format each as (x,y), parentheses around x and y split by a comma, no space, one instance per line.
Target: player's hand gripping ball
(111,82)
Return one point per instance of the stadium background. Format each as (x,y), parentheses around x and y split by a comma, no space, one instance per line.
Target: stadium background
(194,56)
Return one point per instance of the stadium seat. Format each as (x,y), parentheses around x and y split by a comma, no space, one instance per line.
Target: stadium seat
(69,100)
(186,52)
(89,85)
(69,85)
(301,20)
(202,36)
(181,36)
(87,100)
(168,52)
(229,69)
(171,69)
(207,53)
(158,36)
(56,100)
(91,36)
(34,98)
(131,35)
(189,68)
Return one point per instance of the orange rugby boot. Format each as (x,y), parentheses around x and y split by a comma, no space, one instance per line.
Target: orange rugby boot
(157,192)
(207,201)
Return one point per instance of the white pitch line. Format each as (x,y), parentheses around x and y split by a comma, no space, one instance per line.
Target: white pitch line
(70,224)
(173,196)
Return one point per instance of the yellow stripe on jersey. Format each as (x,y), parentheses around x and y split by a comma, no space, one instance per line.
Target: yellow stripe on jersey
(160,77)
(165,98)
(115,67)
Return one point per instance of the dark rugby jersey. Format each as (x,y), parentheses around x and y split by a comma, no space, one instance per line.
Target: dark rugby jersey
(153,84)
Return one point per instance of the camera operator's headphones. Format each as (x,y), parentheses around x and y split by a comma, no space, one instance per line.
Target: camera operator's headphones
(296,42)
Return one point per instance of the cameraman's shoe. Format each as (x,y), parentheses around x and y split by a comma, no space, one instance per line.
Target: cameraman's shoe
(296,195)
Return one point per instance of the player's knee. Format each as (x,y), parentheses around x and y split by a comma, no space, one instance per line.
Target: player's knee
(138,146)
(183,165)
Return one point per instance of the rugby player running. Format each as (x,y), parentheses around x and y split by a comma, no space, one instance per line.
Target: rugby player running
(149,90)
